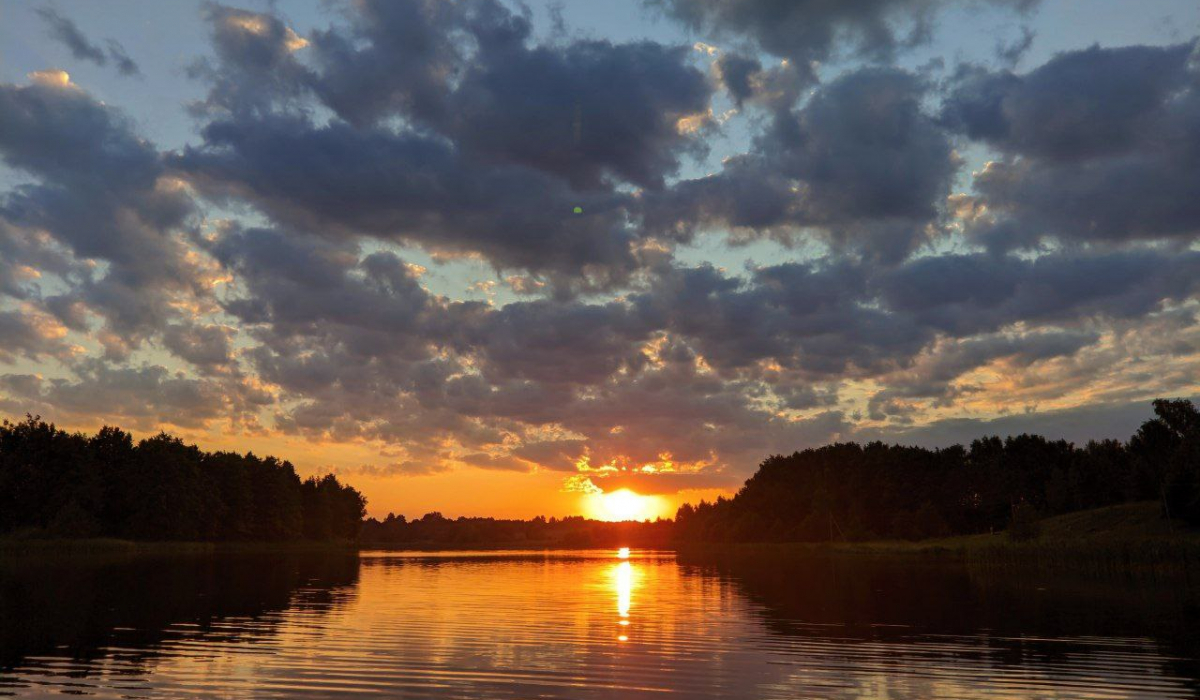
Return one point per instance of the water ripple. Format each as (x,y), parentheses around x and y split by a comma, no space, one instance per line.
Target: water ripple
(573,625)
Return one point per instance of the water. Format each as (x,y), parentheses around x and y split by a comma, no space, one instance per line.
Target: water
(581,625)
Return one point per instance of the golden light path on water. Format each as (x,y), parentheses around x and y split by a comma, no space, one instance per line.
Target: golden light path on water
(524,624)
(624,581)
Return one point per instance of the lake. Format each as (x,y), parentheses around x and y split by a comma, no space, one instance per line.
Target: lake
(582,624)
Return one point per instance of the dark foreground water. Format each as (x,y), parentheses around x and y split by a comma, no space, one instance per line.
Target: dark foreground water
(582,625)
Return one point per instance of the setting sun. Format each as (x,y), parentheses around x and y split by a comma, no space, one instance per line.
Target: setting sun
(624,504)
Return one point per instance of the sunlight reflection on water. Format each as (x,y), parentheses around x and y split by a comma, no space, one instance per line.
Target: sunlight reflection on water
(624,579)
(526,624)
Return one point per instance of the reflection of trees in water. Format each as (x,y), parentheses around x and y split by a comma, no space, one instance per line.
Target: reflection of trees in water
(70,607)
(1014,619)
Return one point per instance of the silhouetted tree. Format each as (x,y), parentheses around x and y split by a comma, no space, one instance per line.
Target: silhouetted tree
(1169,447)
(330,509)
(848,491)
(70,485)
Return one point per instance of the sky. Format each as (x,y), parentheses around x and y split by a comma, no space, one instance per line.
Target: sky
(491,258)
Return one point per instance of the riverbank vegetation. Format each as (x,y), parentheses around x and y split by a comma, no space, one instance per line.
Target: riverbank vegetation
(435,530)
(1125,538)
(60,485)
(849,492)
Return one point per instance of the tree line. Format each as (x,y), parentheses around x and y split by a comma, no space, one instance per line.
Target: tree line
(574,531)
(64,484)
(104,485)
(848,491)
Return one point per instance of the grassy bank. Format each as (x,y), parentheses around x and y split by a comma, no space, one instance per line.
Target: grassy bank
(1124,539)
(1129,538)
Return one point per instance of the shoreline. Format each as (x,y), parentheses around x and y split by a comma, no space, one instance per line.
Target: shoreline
(112,546)
(105,545)
(1127,538)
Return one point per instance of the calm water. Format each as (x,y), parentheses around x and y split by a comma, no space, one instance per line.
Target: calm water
(581,625)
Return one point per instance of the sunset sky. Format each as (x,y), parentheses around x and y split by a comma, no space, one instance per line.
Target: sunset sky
(497,259)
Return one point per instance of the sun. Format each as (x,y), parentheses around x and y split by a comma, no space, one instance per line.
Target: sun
(623,504)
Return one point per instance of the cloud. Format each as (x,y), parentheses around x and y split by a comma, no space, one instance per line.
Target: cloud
(967,294)
(255,66)
(68,33)
(452,131)
(1116,421)
(668,483)
(144,397)
(98,194)
(30,333)
(206,346)
(861,163)
(344,182)
(125,65)
(710,368)
(65,31)
(589,112)
(1098,148)
(811,31)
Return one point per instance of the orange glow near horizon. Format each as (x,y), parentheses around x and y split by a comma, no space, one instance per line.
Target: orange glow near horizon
(623,504)
(454,492)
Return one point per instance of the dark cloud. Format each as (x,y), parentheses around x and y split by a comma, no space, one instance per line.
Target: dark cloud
(861,163)
(143,397)
(1099,147)
(453,131)
(125,65)
(814,31)
(1079,104)
(400,57)
(804,317)
(206,346)
(586,111)
(738,74)
(255,68)
(554,454)
(1010,53)
(27,334)
(966,294)
(405,187)
(559,342)
(68,33)
(101,193)
(25,257)
(65,31)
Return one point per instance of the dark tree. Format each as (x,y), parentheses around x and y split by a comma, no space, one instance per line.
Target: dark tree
(850,492)
(70,485)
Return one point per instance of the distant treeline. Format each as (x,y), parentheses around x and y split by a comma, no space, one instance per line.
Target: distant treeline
(849,491)
(434,529)
(73,485)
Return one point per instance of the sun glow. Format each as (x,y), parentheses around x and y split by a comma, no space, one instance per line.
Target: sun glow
(623,504)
